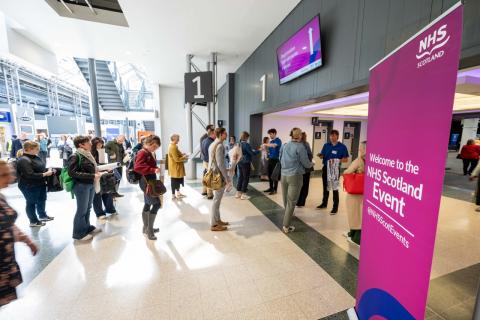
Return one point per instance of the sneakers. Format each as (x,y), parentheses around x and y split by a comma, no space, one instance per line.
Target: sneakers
(288,229)
(37,224)
(223,223)
(334,211)
(95,231)
(244,197)
(179,195)
(114,213)
(102,218)
(46,218)
(238,195)
(218,227)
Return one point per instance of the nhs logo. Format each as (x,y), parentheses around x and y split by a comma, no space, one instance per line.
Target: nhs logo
(429,48)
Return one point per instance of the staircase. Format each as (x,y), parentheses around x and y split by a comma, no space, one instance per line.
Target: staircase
(108,94)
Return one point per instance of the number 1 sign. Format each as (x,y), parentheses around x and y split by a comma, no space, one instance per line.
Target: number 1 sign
(198,87)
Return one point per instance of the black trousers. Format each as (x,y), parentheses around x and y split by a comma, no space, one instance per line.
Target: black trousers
(469,162)
(302,198)
(244,177)
(271,165)
(326,194)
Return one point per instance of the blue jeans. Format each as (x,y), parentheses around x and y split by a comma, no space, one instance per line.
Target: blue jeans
(244,177)
(105,199)
(81,222)
(36,197)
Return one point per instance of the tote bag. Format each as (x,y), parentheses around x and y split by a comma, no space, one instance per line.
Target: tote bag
(353,182)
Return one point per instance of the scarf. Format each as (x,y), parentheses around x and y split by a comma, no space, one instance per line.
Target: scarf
(333,174)
(88,155)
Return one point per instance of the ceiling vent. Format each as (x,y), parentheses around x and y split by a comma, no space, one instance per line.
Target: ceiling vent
(103,11)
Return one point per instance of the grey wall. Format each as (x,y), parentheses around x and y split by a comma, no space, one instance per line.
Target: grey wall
(226,100)
(355,35)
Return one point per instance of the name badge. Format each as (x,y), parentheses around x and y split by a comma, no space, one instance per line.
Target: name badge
(334,151)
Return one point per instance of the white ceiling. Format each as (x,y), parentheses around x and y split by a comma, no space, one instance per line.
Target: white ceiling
(161,32)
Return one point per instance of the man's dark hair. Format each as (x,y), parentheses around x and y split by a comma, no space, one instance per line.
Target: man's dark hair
(273,130)
(219,132)
(210,127)
(335,132)
(80,140)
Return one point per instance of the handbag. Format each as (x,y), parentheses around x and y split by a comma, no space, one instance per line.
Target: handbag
(277,172)
(213,179)
(353,182)
(154,188)
(459,156)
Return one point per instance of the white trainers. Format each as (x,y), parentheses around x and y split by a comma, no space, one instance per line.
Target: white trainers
(179,195)
(238,195)
(289,229)
(244,197)
(102,218)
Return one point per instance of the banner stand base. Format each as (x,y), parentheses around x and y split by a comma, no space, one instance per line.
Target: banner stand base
(352,314)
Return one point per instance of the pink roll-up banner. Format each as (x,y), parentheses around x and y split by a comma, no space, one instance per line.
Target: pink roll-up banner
(411,99)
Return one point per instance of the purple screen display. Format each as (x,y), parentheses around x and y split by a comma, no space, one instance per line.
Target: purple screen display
(301,53)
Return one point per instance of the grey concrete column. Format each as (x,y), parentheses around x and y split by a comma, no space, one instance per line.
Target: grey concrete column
(92,74)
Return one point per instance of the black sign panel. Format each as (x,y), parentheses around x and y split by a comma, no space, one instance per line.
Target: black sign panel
(198,87)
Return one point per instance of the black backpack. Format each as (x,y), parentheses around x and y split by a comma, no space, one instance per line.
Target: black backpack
(132,176)
(108,183)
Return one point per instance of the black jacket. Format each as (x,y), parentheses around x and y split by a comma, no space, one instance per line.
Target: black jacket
(30,171)
(17,144)
(83,171)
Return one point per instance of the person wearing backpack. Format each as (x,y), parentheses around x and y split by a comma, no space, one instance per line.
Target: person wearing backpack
(101,198)
(245,166)
(146,166)
(31,173)
(82,168)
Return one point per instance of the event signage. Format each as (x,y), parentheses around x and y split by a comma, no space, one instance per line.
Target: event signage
(411,97)
(198,87)
(301,53)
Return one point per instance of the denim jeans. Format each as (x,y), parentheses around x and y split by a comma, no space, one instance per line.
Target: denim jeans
(81,222)
(244,177)
(107,200)
(36,197)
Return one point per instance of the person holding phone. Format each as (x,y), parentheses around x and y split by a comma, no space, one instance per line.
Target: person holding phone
(31,173)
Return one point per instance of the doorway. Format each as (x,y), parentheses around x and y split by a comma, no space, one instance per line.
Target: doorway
(351,139)
(321,135)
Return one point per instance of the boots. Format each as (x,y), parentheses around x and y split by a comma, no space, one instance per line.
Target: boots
(150,230)
(145,215)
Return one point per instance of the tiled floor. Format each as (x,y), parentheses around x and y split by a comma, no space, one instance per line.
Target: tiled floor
(251,272)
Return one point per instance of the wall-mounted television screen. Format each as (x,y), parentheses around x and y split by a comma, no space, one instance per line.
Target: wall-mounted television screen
(301,53)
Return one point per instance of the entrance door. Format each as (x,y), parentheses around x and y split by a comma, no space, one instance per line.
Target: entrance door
(321,135)
(256,129)
(351,139)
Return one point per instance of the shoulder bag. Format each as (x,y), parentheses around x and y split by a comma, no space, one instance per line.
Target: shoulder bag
(213,179)
(353,182)
(154,188)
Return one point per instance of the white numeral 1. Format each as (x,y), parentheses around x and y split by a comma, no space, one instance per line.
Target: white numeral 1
(310,36)
(199,94)
(263,80)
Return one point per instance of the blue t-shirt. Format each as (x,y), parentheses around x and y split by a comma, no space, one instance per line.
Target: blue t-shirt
(330,151)
(274,152)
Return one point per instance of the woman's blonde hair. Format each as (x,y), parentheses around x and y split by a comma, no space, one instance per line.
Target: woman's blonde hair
(296,133)
(30,145)
(173,136)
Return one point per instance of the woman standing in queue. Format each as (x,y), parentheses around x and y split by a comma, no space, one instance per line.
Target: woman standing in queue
(10,276)
(244,166)
(82,167)
(99,199)
(31,173)
(146,166)
(302,198)
(176,167)
(355,201)
(264,160)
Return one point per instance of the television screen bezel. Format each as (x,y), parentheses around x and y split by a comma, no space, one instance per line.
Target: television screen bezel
(321,51)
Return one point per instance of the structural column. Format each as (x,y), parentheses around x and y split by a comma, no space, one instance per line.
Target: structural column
(212,110)
(94,97)
(191,166)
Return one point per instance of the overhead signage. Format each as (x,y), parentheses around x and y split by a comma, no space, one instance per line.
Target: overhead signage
(412,89)
(198,87)
(301,53)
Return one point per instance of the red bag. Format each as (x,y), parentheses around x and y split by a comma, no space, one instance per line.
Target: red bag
(353,182)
